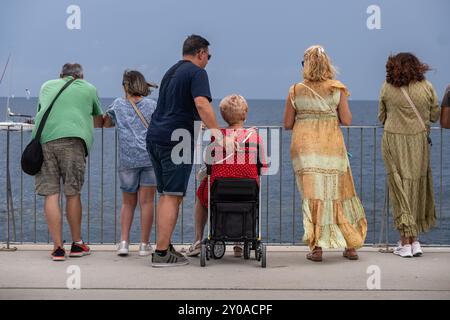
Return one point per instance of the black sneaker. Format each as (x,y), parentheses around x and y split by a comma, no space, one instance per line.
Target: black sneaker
(171,259)
(79,250)
(59,254)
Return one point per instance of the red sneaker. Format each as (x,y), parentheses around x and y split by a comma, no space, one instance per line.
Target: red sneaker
(79,250)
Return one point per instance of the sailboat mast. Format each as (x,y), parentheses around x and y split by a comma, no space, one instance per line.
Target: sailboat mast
(8,109)
(10,83)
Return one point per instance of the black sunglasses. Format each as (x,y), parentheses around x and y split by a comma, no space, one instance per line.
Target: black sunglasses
(303,63)
(209,56)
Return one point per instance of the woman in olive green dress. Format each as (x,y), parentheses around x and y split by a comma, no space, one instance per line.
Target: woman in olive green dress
(408,103)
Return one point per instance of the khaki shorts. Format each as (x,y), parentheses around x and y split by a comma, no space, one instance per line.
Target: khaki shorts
(64,159)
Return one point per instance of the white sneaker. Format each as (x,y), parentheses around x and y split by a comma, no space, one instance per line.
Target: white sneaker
(122,249)
(399,246)
(194,249)
(145,249)
(416,249)
(403,251)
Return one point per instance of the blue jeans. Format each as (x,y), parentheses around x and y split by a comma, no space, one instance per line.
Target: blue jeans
(131,179)
(171,178)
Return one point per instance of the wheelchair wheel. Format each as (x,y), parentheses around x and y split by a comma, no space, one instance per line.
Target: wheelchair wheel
(218,249)
(258,252)
(203,255)
(208,251)
(246,251)
(263,256)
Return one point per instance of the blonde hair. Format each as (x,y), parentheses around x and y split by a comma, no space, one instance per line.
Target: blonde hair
(317,65)
(233,109)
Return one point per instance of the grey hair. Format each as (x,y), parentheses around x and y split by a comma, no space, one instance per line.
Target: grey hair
(72,69)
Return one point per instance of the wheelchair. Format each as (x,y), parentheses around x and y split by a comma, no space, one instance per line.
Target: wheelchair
(234,215)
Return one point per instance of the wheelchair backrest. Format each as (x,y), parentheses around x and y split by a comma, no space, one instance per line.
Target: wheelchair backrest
(234,190)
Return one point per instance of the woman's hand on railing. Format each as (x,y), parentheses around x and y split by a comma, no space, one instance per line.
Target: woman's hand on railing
(107,122)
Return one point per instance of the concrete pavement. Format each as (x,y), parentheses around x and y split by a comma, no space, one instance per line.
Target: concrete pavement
(29,273)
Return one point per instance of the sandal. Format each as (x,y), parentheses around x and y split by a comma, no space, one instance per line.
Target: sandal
(194,249)
(237,251)
(315,255)
(350,254)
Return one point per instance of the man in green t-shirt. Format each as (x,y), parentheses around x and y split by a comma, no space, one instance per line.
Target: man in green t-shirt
(66,140)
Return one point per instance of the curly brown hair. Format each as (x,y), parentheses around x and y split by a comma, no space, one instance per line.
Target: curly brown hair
(404,68)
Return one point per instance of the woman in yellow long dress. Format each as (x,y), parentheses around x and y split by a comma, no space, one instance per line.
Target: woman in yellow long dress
(333,216)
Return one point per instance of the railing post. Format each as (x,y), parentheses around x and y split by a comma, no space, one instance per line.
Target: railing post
(374,183)
(182,222)
(101,189)
(267,208)
(115,185)
(89,200)
(281,179)
(21,189)
(294,192)
(385,222)
(361,147)
(9,207)
(441,173)
(35,217)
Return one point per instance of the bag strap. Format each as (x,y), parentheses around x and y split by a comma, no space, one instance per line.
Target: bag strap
(319,96)
(139,113)
(411,103)
(252,130)
(293,97)
(47,112)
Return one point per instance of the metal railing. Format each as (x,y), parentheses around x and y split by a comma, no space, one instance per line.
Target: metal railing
(22,221)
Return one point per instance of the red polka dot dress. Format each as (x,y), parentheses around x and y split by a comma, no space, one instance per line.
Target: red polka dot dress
(240,164)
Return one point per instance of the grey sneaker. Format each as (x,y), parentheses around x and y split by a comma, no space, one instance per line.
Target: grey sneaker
(122,250)
(145,249)
(171,259)
(172,249)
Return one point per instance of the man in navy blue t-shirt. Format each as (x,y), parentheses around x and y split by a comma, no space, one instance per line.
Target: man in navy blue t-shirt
(184,97)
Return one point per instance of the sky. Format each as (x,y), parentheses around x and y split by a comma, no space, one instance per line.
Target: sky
(256,45)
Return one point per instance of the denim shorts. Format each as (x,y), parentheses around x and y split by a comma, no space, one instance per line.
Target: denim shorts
(131,179)
(171,179)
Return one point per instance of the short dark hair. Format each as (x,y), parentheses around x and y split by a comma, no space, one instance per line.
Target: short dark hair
(404,68)
(135,84)
(72,69)
(193,44)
